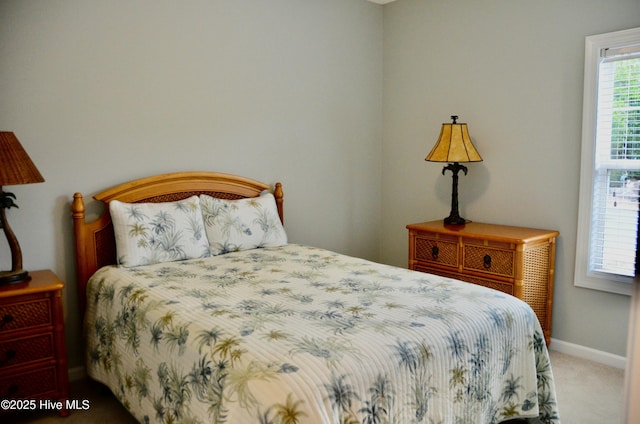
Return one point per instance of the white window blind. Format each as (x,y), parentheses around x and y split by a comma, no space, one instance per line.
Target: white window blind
(617,163)
(610,167)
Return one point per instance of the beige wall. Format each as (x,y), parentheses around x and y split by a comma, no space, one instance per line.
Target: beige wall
(513,71)
(102,92)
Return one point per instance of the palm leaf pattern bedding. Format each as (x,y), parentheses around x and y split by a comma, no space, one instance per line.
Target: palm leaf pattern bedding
(297,334)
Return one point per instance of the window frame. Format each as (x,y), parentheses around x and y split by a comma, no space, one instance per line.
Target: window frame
(583,276)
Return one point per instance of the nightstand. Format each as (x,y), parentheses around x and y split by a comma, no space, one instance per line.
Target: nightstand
(515,260)
(33,354)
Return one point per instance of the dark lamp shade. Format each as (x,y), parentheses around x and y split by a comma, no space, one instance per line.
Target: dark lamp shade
(16,166)
(454,145)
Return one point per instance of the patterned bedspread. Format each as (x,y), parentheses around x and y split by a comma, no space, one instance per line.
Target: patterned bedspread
(297,334)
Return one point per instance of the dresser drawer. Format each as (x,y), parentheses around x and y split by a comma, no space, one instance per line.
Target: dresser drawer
(30,384)
(437,250)
(485,282)
(489,260)
(21,315)
(25,350)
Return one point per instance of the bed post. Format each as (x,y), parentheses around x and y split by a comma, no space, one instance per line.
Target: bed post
(78,210)
(279,195)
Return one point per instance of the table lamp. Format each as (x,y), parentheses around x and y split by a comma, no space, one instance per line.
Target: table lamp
(15,168)
(454,146)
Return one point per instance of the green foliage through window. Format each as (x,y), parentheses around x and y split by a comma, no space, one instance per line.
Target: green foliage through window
(625,134)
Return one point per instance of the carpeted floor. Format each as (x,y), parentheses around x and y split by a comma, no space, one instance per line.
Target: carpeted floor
(588,393)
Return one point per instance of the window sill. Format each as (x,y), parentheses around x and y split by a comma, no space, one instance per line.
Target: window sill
(606,283)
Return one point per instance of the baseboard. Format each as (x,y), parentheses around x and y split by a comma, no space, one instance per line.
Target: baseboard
(588,353)
(77,373)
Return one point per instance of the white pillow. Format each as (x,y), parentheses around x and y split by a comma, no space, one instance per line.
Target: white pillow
(148,233)
(233,225)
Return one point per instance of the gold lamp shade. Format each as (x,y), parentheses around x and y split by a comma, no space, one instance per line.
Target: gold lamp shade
(454,146)
(16,167)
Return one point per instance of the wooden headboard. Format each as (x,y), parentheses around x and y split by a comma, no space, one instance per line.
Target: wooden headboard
(95,241)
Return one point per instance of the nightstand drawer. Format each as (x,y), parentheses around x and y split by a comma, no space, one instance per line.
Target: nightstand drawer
(26,314)
(27,385)
(437,250)
(489,260)
(25,350)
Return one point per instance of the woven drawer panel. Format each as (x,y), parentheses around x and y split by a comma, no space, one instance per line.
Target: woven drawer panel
(27,385)
(27,314)
(447,252)
(25,350)
(502,261)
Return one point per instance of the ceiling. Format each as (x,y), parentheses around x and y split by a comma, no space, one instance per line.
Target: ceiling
(381,1)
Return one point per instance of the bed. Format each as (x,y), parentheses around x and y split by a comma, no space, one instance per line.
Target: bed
(276,332)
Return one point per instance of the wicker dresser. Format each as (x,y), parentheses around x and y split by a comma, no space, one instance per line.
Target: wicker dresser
(33,354)
(515,260)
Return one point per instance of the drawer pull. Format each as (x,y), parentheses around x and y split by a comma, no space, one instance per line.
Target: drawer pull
(487,261)
(8,356)
(6,320)
(435,252)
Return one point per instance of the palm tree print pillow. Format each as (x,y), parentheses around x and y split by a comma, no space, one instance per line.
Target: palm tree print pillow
(234,225)
(149,233)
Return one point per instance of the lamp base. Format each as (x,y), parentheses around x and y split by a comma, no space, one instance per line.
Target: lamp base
(455,220)
(14,277)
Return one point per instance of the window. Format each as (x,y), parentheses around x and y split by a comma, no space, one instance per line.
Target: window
(610,167)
